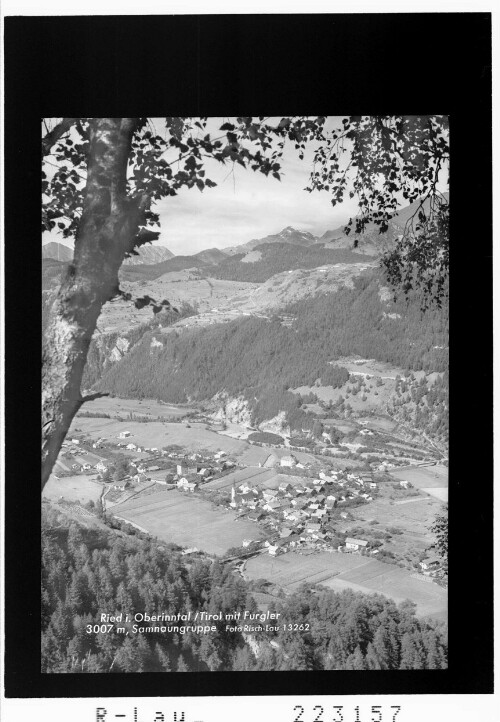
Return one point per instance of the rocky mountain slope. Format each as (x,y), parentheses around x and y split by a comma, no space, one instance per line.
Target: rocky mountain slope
(149,254)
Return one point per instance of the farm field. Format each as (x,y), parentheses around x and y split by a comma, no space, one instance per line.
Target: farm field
(423,476)
(379,423)
(256,476)
(72,488)
(124,407)
(207,293)
(376,397)
(432,480)
(159,434)
(340,571)
(255,455)
(440,493)
(251,475)
(414,519)
(188,521)
(371,367)
(179,287)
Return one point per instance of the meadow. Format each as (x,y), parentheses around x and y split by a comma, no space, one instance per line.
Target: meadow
(340,571)
(188,521)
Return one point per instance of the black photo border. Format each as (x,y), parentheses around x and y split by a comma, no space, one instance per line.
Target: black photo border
(219,65)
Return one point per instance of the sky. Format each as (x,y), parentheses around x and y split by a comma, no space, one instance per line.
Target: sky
(244,205)
(247,205)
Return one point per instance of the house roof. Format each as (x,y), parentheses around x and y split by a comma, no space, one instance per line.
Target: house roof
(271,460)
(359,542)
(273,504)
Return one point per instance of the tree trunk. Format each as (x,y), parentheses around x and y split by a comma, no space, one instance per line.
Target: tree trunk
(107,229)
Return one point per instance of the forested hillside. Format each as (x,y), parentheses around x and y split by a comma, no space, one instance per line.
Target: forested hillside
(277,258)
(86,571)
(107,349)
(261,359)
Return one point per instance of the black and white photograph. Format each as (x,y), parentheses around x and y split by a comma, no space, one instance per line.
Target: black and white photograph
(264,402)
(245,393)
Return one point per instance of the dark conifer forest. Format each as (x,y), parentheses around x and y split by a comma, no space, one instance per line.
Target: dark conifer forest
(87,571)
(263,359)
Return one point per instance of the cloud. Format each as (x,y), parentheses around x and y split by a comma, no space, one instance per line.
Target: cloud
(247,205)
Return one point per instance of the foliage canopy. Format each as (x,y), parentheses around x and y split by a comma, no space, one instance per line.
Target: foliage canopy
(382,161)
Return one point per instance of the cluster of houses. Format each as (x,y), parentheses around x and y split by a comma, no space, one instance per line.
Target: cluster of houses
(189,475)
(303,513)
(185,473)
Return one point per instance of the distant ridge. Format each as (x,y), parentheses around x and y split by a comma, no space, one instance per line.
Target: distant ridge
(372,241)
(287,235)
(211,255)
(57,251)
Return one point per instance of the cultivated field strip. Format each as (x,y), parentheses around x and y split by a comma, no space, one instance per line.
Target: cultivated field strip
(188,521)
(423,476)
(251,475)
(155,501)
(351,571)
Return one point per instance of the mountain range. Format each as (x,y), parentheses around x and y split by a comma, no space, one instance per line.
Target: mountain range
(253,262)
(287,235)
(145,255)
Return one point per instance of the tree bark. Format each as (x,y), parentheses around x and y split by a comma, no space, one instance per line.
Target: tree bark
(107,229)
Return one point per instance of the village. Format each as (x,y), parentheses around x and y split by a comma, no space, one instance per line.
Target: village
(293,505)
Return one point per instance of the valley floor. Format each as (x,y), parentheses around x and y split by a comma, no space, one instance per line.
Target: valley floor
(394,519)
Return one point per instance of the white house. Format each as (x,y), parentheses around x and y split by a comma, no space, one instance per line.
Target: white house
(132,447)
(312,527)
(121,485)
(185,485)
(288,461)
(123,434)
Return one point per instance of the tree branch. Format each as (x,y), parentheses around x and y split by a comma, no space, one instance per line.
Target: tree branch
(92,397)
(56,133)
